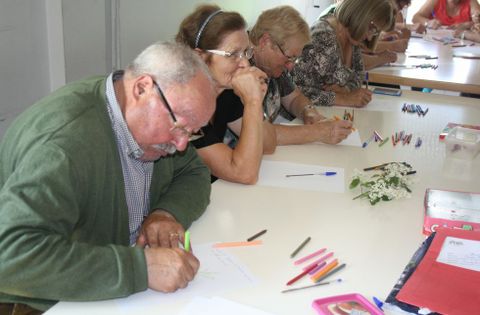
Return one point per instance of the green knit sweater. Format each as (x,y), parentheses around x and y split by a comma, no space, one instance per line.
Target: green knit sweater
(63,214)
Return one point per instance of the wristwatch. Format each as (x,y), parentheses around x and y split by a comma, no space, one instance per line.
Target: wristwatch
(307,107)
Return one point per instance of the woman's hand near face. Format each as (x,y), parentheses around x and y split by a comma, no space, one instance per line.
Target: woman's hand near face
(250,85)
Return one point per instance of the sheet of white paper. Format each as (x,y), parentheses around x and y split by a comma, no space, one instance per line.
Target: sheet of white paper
(441,32)
(383,103)
(460,253)
(218,306)
(467,52)
(353,139)
(219,272)
(272,173)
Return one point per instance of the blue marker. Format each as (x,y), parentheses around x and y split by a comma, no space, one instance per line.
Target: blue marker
(378,303)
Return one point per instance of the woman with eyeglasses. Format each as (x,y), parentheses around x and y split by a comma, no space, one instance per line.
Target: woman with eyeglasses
(330,70)
(278,37)
(221,39)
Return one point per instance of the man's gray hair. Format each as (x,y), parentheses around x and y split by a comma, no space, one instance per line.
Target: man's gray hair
(169,63)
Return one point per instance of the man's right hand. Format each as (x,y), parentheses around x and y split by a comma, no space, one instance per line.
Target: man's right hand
(170,269)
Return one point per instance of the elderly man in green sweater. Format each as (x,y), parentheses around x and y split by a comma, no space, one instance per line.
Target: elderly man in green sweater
(94,198)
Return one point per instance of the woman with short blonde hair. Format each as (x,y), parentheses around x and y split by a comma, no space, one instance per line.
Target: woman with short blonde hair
(281,23)
(359,16)
(330,70)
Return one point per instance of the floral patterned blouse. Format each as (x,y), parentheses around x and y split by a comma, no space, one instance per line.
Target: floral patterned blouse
(321,64)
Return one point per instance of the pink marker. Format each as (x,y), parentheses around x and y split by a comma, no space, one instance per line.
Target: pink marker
(301,260)
(319,260)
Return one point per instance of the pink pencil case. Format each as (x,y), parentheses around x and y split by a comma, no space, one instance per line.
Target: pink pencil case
(353,303)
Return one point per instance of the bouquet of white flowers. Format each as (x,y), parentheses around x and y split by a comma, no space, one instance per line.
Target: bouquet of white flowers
(392,183)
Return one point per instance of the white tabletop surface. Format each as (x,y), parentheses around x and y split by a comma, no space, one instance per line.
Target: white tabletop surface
(453,73)
(375,242)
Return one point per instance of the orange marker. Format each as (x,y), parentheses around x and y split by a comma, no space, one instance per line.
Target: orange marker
(324,270)
(237,244)
(338,118)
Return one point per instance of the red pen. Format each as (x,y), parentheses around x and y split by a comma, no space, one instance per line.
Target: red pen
(305,272)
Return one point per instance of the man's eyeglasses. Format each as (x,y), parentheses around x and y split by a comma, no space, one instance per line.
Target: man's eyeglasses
(291,59)
(177,128)
(246,54)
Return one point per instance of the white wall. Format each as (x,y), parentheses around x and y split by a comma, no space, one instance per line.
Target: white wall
(88,46)
(45,43)
(413,8)
(144,22)
(85,42)
(24,66)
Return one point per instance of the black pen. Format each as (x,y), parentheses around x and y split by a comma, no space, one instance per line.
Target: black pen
(251,238)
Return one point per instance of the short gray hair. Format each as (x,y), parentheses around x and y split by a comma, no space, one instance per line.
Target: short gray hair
(169,63)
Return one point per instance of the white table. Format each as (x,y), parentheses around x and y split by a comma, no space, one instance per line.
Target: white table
(452,74)
(375,242)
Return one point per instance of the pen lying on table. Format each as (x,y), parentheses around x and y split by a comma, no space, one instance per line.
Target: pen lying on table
(379,167)
(311,174)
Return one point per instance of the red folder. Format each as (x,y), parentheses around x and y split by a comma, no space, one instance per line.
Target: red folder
(440,287)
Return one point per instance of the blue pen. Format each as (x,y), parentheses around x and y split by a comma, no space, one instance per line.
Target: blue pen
(378,303)
(418,143)
(311,174)
(368,141)
(366,79)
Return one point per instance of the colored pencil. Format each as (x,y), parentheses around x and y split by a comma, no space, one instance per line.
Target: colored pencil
(301,275)
(309,256)
(317,268)
(324,270)
(312,285)
(319,260)
(295,252)
(251,238)
(328,274)
(237,244)
(187,241)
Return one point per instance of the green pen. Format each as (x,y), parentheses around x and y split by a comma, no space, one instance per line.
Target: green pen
(187,241)
(383,142)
